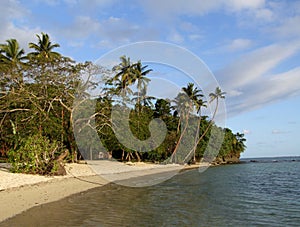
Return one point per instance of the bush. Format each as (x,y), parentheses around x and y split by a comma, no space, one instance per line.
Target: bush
(36,155)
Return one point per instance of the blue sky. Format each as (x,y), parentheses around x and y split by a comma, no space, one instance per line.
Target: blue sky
(252,48)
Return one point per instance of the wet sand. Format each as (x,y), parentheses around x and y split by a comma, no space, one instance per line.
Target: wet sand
(19,192)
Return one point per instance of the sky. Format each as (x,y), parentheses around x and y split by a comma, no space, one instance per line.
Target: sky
(252,47)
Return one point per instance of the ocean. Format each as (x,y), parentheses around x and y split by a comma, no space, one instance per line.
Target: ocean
(258,192)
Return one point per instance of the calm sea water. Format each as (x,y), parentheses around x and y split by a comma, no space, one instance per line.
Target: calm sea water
(265,193)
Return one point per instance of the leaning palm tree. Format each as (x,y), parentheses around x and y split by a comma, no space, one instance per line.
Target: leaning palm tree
(199,104)
(218,94)
(44,48)
(185,103)
(196,96)
(182,106)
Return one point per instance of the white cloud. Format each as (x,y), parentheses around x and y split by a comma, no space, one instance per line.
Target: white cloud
(195,37)
(289,27)
(52,2)
(264,14)
(188,27)
(196,7)
(265,91)
(246,131)
(82,27)
(233,93)
(10,12)
(238,5)
(250,84)
(239,44)
(276,131)
(76,44)
(175,37)
(235,45)
(111,32)
(78,3)
(252,66)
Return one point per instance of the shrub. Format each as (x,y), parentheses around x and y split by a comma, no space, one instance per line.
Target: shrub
(36,155)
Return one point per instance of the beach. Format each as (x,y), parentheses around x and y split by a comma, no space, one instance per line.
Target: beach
(19,192)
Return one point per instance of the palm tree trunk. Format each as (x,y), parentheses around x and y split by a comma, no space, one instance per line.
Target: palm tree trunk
(195,143)
(123,154)
(210,123)
(138,156)
(179,140)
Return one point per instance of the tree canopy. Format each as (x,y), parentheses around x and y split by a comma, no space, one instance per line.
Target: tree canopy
(37,108)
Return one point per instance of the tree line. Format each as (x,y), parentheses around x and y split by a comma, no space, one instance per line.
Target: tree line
(38,111)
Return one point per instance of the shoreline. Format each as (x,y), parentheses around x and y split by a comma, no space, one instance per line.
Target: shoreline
(20,192)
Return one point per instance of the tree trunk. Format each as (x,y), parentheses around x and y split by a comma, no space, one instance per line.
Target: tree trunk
(179,140)
(138,156)
(123,154)
(209,125)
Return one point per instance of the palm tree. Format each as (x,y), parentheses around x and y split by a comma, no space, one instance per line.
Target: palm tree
(196,96)
(218,94)
(11,53)
(44,47)
(185,103)
(127,74)
(125,77)
(199,104)
(143,97)
(239,142)
(11,58)
(182,106)
(193,93)
(140,75)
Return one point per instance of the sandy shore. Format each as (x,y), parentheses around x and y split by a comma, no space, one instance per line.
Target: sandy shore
(19,192)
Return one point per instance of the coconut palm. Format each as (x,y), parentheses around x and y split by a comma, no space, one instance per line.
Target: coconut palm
(185,103)
(140,76)
(143,97)
(11,58)
(44,47)
(193,93)
(218,94)
(196,96)
(182,106)
(199,104)
(238,144)
(126,74)
(11,53)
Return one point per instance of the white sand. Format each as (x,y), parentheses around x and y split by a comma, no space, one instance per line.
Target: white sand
(11,180)
(19,192)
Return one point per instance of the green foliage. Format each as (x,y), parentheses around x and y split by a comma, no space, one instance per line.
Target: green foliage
(37,93)
(36,155)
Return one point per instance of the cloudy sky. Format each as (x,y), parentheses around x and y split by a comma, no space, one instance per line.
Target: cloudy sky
(251,46)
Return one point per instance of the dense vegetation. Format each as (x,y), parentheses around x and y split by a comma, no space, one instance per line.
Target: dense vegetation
(37,108)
